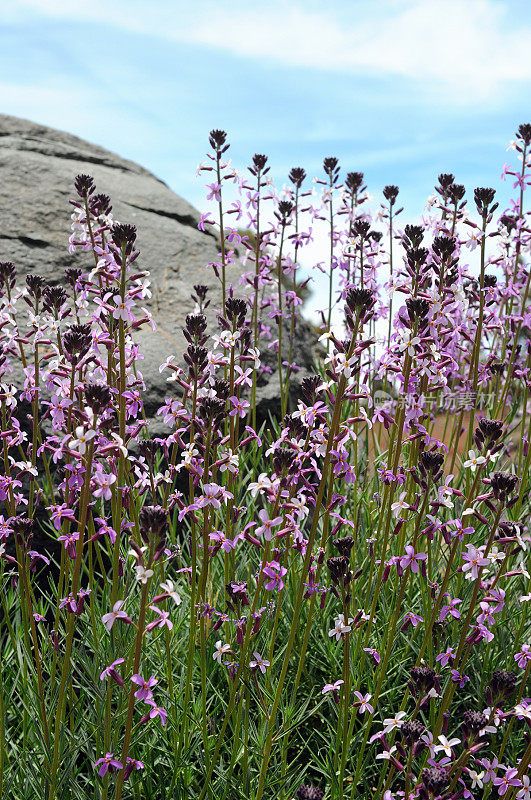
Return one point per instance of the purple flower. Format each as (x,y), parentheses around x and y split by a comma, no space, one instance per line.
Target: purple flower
(144,692)
(374,653)
(267,524)
(458,678)
(110,672)
(275,572)
(509,779)
(523,656)
(445,657)
(116,613)
(362,703)
(411,559)
(156,711)
(106,763)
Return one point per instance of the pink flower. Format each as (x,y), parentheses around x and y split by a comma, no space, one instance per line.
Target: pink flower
(259,663)
(267,524)
(523,656)
(144,692)
(116,613)
(239,407)
(110,672)
(509,779)
(362,703)
(156,711)
(411,558)
(162,620)
(473,561)
(275,572)
(106,763)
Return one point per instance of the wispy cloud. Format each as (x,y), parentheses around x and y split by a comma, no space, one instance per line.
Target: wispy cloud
(469,50)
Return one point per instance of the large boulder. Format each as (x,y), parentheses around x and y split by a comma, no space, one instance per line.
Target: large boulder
(37,168)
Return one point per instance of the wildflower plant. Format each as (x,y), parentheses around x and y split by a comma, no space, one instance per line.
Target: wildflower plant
(328,603)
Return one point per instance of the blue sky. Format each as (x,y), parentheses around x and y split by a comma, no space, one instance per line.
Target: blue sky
(400,89)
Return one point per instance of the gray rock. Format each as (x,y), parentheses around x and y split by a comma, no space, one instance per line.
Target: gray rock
(37,169)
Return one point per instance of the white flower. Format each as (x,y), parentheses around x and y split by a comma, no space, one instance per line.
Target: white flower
(143,574)
(79,444)
(169,588)
(477,778)
(220,651)
(394,722)
(446,745)
(474,461)
(386,755)
(400,505)
(340,627)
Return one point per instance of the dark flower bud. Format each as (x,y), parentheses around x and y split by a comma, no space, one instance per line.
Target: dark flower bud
(508,222)
(285,207)
(331,167)
(444,247)
(259,162)
(7,274)
(390,193)
(361,228)
(435,780)
(237,593)
(297,176)
(84,186)
(431,463)
(221,388)
(149,450)
(445,181)
(217,139)
(488,431)
(123,236)
(23,529)
(344,544)
(473,722)
(201,291)
(417,308)
(483,197)
(235,311)
(456,192)
(339,569)
(524,133)
(211,409)
(411,731)
(100,205)
(416,257)
(501,686)
(35,284)
(354,181)
(97,396)
(196,357)
(376,236)
(283,459)
(72,275)
(295,426)
(503,484)
(421,680)
(196,325)
(153,523)
(359,300)
(53,298)
(490,281)
(413,236)
(76,342)
(309,793)
(309,386)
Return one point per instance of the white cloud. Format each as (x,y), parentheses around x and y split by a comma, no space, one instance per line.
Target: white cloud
(470,50)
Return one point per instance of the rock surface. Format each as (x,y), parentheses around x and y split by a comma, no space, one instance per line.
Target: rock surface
(37,168)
